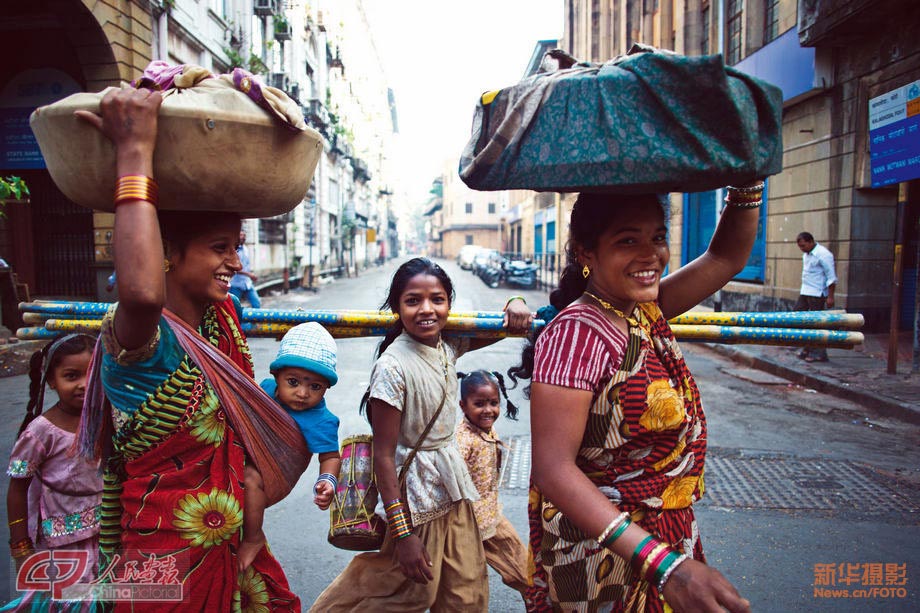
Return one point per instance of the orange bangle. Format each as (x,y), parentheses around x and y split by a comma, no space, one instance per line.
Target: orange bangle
(131,188)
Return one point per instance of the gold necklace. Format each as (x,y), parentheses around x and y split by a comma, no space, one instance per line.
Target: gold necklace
(609,307)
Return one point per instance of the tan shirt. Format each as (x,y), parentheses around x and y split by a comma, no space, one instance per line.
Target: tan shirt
(483,455)
(414,378)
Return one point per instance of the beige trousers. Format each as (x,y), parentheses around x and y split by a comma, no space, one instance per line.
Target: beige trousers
(373,581)
(507,555)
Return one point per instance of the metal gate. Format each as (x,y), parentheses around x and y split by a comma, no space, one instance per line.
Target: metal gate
(63,242)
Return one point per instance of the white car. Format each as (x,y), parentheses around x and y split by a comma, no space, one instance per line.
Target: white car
(466,255)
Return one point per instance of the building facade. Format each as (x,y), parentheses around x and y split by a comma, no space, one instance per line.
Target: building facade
(58,47)
(830,59)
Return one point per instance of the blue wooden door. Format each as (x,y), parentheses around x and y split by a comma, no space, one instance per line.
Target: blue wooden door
(700,216)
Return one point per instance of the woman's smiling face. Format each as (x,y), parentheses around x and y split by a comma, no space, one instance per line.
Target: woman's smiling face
(202,271)
(423,308)
(630,257)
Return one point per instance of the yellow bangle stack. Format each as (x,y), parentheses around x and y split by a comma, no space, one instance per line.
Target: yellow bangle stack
(131,188)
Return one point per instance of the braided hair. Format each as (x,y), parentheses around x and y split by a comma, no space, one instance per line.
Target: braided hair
(405,273)
(478,378)
(43,363)
(592,215)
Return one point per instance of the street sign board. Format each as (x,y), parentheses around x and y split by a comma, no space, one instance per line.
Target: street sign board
(894,135)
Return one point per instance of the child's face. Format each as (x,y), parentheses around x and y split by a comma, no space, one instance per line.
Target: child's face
(69,380)
(482,406)
(423,309)
(300,389)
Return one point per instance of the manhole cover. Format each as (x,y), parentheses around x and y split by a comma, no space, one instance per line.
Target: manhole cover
(770,482)
(516,468)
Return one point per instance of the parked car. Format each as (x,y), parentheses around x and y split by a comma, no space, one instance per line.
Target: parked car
(482,258)
(465,257)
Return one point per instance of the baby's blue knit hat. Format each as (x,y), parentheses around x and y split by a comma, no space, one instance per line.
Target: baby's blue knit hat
(308,346)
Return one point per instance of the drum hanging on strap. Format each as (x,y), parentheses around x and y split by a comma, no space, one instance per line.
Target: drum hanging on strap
(353,524)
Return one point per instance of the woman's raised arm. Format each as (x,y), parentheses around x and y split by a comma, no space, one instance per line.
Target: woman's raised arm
(129,119)
(726,256)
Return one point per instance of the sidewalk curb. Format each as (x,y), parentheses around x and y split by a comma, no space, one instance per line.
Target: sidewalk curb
(884,407)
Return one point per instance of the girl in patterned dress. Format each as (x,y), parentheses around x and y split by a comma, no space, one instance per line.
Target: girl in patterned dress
(618,431)
(54,494)
(432,557)
(484,454)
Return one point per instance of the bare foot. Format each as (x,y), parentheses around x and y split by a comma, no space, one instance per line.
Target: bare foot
(248,551)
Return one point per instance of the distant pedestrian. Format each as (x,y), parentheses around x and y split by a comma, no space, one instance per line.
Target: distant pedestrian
(818,284)
(241,284)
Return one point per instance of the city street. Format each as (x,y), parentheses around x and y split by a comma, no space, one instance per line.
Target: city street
(807,494)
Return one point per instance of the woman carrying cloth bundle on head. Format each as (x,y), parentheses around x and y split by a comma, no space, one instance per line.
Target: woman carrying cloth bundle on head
(619,435)
(185,414)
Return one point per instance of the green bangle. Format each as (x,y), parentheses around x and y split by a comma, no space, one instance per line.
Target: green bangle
(521,298)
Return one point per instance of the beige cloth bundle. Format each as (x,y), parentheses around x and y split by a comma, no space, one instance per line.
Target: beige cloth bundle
(217,150)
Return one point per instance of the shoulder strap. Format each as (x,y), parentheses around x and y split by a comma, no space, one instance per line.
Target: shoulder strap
(421,439)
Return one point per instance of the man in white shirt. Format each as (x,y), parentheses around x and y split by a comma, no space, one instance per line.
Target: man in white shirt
(818,284)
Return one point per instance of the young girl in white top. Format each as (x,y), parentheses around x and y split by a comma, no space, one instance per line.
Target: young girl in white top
(432,557)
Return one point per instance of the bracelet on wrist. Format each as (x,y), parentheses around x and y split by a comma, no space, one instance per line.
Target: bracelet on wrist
(757,187)
(510,300)
(617,521)
(328,478)
(133,188)
(398,519)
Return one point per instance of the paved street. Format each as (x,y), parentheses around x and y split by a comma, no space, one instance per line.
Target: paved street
(796,480)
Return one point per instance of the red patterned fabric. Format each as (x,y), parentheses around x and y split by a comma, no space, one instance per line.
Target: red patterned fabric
(174,488)
(645,437)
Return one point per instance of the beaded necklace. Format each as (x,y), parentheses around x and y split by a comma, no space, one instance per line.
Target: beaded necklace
(609,307)
(442,353)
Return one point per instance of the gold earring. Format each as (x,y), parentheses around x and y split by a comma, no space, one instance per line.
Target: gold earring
(166,266)
(585,271)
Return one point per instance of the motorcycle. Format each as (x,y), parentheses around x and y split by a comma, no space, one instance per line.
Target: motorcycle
(519,273)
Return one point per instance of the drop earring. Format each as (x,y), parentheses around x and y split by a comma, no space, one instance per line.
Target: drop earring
(585,271)
(166,266)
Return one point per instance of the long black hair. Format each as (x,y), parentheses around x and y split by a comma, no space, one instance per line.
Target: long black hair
(592,215)
(44,362)
(479,378)
(405,273)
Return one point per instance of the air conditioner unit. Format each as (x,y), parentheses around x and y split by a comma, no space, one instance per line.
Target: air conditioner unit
(281,80)
(265,8)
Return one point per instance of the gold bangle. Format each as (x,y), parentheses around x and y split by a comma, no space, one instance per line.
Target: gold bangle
(132,188)
(758,187)
(16,521)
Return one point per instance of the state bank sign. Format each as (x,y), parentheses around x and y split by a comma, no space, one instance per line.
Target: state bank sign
(894,135)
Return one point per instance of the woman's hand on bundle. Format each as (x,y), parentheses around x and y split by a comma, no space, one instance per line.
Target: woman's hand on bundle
(518,318)
(694,586)
(413,559)
(128,118)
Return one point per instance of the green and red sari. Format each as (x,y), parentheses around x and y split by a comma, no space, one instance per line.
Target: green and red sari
(172,507)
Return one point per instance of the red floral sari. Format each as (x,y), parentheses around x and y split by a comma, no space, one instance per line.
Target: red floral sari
(173,495)
(644,446)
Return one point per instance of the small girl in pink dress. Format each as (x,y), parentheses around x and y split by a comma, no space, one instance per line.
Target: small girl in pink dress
(54,495)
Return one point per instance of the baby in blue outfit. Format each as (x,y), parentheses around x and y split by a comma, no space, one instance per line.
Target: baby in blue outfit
(302,372)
